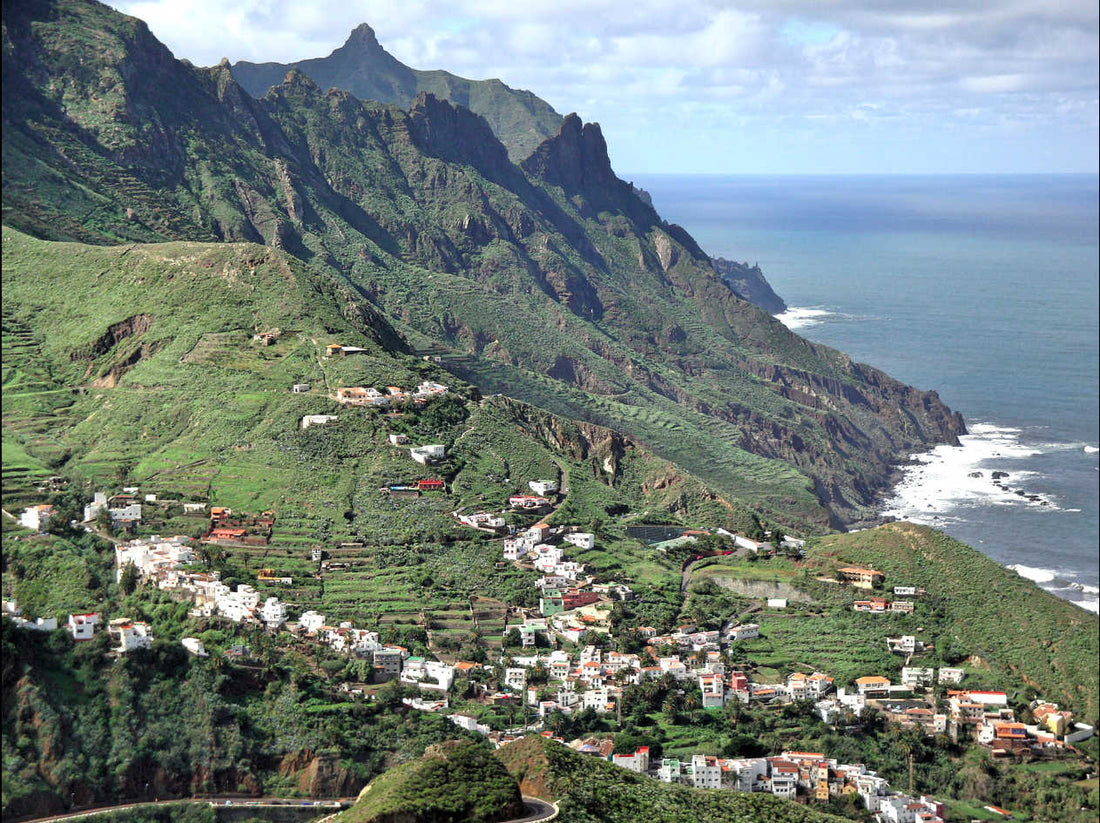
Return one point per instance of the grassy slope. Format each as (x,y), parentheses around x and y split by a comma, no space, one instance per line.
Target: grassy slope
(452,782)
(205,413)
(992,613)
(589,789)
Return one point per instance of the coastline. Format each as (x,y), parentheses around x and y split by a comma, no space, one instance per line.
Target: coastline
(950,488)
(956,489)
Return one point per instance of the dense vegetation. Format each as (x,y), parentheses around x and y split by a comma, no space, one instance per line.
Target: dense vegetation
(82,727)
(451,783)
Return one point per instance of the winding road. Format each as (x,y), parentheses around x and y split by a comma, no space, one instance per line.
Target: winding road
(535,809)
(250,802)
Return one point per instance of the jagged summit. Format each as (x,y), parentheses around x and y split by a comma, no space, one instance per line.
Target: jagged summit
(362,36)
(361,66)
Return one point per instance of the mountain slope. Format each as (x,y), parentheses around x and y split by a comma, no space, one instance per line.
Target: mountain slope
(1003,620)
(519,119)
(555,283)
(128,367)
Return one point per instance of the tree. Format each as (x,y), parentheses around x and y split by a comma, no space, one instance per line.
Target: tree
(512,638)
(691,705)
(129,579)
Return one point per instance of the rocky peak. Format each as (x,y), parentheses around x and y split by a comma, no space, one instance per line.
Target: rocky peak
(457,135)
(297,79)
(575,159)
(362,38)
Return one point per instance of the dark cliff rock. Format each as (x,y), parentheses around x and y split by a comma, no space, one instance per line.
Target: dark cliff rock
(576,160)
(457,135)
(749,284)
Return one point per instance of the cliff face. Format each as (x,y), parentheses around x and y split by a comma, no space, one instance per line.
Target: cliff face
(556,279)
(749,284)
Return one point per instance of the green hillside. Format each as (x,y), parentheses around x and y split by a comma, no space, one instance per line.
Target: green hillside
(554,283)
(998,619)
(454,782)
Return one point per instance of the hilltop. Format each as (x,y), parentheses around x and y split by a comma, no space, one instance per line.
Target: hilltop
(455,781)
(1002,621)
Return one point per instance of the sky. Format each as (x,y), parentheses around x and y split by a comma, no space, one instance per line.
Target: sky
(739,87)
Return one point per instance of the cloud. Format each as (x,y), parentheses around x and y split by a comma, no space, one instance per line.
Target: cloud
(919,64)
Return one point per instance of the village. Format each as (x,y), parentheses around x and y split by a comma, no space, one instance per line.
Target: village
(558,659)
(567,656)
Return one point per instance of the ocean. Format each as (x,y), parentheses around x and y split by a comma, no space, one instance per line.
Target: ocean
(983,288)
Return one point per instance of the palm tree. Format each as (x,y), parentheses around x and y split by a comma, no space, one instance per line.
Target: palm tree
(691,703)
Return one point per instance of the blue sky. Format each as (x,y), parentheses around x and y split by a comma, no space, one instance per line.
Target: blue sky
(708,86)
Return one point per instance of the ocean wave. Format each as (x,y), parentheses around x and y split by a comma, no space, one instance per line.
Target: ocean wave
(797,317)
(978,472)
(1033,574)
(1057,583)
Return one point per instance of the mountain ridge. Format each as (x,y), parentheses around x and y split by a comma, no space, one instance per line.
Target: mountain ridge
(362,67)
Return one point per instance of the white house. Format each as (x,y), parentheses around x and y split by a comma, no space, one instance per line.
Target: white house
(35,517)
(916,677)
(637,762)
(582,540)
(745,631)
(558,664)
(398,439)
(41,624)
(83,625)
(515,678)
(746,543)
(705,772)
(906,644)
(130,513)
(195,646)
(808,686)
(427,454)
(99,502)
(543,487)
(317,420)
(238,606)
(777,602)
(951,676)
(713,690)
(514,549)
(273,613)
(130,635)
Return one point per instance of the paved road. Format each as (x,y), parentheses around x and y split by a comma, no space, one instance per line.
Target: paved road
(685,575)
(248,802)
(536,810)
